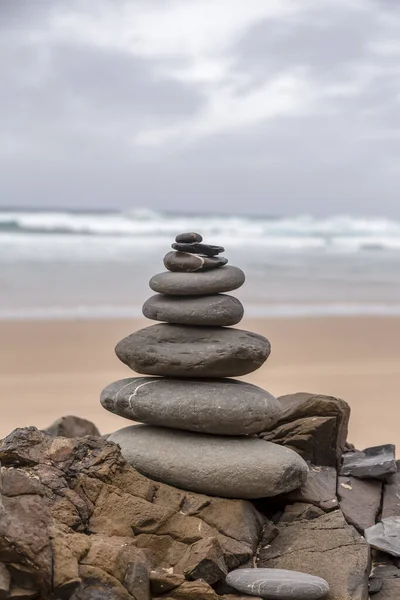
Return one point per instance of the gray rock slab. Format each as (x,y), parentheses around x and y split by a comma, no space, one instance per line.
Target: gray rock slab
(319,489)
(203,283)
(321,544)
(376,462)
(384,582)
(385,536)
(391,495)
(184,262)
(185,351)
(218,310)
(360,501)
(279,584)
(230,467)
(225,407)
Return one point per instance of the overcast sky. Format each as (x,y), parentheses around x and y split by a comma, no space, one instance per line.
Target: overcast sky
(275,106)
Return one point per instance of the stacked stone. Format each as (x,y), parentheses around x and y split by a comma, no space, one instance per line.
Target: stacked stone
(199,425)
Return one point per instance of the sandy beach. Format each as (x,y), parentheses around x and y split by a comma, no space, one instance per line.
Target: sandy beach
(53,368)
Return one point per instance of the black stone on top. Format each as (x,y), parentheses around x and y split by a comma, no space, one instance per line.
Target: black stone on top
(197,248)
(188,238)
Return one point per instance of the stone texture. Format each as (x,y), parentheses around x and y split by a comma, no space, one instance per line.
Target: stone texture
(181,351)
(372,463)
(77,522)
(225,407)
(218,310)
(279,584)
(319,489)
(391,495)
(5,581)
(321,544)
(198,248)
(188,238)
(385,536)
(360,501)
(313,425)
(385,578)
(184,262)
(215,465)
(203,283)
(71,427)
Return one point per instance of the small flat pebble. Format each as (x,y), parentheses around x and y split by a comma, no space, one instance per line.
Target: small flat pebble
(278,584)
(201,283)
(385,536)
(189,238)
(184,262)
(197,248)
(376,462)
(218,310)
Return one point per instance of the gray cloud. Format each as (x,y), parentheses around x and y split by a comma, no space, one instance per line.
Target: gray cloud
(95,114)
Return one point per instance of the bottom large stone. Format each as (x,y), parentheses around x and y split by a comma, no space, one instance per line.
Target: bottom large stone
(231,467)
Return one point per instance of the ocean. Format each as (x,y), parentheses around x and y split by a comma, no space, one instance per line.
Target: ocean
(73,264)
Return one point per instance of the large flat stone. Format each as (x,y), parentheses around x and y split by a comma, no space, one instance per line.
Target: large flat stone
(231,467)
(279,584)
(203,283)
(182,351)
(221,406)
(217,310)
(321,544)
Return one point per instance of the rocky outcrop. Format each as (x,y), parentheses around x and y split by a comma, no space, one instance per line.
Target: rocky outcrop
(76,521)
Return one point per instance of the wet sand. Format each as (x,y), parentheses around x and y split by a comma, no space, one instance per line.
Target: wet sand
(53,368)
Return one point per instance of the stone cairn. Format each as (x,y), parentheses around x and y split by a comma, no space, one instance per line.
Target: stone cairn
(200,426)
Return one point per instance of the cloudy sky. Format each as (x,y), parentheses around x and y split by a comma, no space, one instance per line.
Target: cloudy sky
(275,106)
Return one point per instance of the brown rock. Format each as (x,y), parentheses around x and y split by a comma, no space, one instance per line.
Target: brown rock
(359,501)
(78,522)
(192,590)
(17,593)
(321,544)
(313,425)
(204,560)
(71,427)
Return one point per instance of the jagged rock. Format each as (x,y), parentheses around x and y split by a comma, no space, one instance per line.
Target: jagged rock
(321,544)
(372,463)
(278,584)
(385,536)
(391,495)
(384,582)
(78,522)
(359,501)
(319,489)
(71,427)
(313,425)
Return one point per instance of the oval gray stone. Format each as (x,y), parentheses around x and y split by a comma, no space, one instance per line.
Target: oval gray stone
(278,584)
(225,406)
(217,310)
(230,467)
(201,283)
(185,351)
(184,262)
